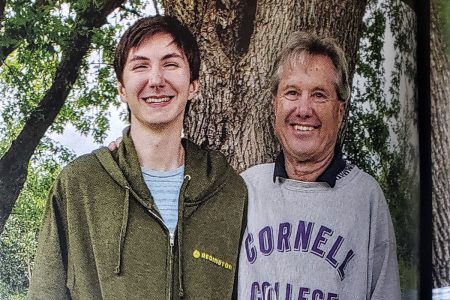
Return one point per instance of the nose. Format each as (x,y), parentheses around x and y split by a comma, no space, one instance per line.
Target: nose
(156,78)
(304,106)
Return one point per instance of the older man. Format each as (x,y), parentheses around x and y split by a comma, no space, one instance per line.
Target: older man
(318,227)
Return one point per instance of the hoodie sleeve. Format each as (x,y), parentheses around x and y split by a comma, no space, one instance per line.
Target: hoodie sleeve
(49,277)
(385,275)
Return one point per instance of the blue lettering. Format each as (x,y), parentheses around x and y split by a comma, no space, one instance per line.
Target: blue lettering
(303,236)
(284,234)
(288,292)
(266,240)
(255,293)
(317,295)
(250,250)
(269,290)
(344,264)
(336,246)
(321,240)
(302,293)
(333,296)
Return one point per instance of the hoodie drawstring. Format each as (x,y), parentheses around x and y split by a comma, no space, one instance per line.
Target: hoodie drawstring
(123,230)
(187,178)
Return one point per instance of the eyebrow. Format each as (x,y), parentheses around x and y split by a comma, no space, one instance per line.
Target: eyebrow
(172,55)
(167,56)
(138,57)
(315,88)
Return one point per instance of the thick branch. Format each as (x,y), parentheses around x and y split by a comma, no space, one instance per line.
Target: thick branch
(14,163)
(2,10)
(155,5)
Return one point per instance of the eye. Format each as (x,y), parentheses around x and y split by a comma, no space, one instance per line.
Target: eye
(171,65)
(319,96)
(291,95)
(139,67)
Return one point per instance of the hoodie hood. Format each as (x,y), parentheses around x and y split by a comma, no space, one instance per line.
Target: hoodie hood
(206,171)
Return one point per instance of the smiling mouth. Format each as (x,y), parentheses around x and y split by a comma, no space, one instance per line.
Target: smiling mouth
(160,99)
(305,128)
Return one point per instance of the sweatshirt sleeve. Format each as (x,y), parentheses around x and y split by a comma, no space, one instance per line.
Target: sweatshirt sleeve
(49,277)
(385,275)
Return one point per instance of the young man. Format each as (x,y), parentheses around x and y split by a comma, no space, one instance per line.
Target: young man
(318,227)
(157,218)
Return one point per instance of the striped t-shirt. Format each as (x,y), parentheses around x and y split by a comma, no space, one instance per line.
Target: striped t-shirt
(165,189)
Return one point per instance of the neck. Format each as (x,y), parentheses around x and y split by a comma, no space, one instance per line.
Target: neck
(158,149)
(306,170)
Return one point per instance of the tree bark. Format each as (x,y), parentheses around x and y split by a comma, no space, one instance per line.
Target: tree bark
(239,41)
(14,163)
(440,147)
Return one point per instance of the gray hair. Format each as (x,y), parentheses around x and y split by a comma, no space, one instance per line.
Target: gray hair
(300,43)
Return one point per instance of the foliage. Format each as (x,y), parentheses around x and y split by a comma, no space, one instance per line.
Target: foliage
(382,120)
(19,239)
(443,10)
(28,72)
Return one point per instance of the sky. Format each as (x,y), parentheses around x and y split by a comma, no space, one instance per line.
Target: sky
(81,144)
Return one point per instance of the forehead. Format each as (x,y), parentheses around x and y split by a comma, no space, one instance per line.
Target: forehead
(308,68)
(158,44)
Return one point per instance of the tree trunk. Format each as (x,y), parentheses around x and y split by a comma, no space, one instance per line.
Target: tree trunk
(440,147)
(239,41)
(14,163)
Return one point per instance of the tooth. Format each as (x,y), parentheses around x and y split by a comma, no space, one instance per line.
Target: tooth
(156,100)
(303,128)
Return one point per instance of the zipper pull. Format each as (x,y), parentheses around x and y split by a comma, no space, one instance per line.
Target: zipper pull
(172,239)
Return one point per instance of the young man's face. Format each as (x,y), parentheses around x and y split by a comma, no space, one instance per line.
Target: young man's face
(308,113)
(156,83)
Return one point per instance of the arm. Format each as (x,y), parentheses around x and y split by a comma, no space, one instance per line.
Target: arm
(385,276)
(49,275)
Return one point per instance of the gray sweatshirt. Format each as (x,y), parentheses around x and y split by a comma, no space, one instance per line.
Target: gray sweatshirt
(306,240)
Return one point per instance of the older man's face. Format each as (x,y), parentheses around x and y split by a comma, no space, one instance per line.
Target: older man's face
(307,112)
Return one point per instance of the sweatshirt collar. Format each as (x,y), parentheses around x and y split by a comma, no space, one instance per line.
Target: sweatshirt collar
(329,175)
(206,170)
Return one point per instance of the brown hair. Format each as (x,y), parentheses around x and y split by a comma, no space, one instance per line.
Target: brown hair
(149,26)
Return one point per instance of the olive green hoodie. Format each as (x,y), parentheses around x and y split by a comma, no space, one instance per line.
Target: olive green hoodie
(103,238)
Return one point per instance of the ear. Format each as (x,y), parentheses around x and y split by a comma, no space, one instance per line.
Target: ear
(121,90)
(274,104)
(342,109)
(193,89)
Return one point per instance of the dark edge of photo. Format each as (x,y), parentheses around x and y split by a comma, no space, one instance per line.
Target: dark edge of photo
(424,115)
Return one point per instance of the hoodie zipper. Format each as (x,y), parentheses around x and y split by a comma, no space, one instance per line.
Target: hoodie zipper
(171,239)
(171,243)
(170,277)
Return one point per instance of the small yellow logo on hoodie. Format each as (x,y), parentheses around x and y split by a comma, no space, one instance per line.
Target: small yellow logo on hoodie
(215,260)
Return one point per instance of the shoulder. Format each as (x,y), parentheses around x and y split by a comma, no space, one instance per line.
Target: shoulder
(81,164)
(258,174)
(358,178)
(203,157)
(364,186)
(210,169)
(83,168)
